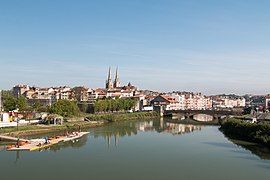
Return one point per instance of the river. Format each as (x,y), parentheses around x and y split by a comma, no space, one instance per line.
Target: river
(150,149)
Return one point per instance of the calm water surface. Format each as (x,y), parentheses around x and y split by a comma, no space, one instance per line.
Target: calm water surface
(143,150)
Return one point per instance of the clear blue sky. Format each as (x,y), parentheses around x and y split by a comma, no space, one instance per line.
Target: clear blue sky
(193,45)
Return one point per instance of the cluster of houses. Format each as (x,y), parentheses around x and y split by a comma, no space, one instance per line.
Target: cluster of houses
(113,89)
(197,101)
(228,102)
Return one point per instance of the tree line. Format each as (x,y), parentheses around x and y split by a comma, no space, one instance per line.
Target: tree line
(241,129)
(114,105)
(11,103)
(65,108)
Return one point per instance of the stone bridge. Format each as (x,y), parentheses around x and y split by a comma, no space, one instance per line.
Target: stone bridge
(216,114)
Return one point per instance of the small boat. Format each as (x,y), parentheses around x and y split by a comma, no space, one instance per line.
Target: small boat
(72,136)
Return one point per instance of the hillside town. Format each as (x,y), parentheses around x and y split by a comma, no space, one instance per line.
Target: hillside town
(145,100)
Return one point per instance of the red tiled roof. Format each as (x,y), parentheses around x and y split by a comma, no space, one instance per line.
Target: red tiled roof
(53,92)
(43,89)
(116,95)
(101,93)
(168,98)
(126,91)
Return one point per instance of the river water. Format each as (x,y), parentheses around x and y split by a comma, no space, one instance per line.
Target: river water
(150,149)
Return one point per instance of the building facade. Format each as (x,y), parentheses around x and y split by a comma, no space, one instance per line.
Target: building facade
(228,102)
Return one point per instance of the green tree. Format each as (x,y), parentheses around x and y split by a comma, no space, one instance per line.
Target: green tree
(36,105)
(43,109)
(22,103)
(84,106)
(106,105)
(10,102)
(65,108)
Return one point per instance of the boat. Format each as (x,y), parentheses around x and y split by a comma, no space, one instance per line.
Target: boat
(37,144)
(72,136)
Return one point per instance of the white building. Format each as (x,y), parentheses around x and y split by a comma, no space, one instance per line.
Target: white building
(191,101)
(228,102)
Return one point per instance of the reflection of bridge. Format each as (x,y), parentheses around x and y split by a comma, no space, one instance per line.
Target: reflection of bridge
(191,113)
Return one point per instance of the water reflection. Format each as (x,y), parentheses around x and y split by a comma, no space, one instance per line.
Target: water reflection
(177,129)
(112,132)
(78,143)
(259,150)
(158,149)
(168,127)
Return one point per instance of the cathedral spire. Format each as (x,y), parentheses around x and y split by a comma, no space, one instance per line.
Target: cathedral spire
(116,74)
(110,74)
(116,81)
(109,82)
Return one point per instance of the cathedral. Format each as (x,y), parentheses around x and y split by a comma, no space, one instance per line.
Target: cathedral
(110,84)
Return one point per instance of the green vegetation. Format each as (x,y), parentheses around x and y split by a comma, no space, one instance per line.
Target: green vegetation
(120,117)
(22,103)
(38,107)
(35,129)
(65,108)
(84,107)
(10,102)
(259,133)
(112,105)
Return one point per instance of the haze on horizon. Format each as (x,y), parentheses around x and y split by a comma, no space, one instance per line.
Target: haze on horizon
(206,46)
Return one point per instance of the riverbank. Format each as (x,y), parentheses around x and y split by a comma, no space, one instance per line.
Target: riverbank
(113,117)
(40,129)
(93,120)
(259,133)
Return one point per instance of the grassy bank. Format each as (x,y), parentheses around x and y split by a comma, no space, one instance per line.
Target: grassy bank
(259,133)
(122,117)
(39,129)
(94,121)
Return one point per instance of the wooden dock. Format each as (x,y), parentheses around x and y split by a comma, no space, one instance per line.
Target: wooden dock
(37,144)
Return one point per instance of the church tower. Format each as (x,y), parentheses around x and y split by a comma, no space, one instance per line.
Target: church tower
(116,81)
(109,82)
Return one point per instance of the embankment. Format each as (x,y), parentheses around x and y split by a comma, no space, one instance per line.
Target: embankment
(113,117)
(94,120)
(259,133)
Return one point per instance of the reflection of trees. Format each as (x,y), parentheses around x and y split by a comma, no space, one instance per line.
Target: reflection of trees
(259,150)
(113,131)
(121,129)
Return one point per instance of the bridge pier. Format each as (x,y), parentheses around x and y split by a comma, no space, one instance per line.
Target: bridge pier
(159,110)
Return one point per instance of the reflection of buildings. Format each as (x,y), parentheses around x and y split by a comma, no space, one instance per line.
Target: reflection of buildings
(181,128)
(172,128)
(146,126)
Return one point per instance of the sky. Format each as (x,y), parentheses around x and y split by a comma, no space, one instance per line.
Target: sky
(204,46)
